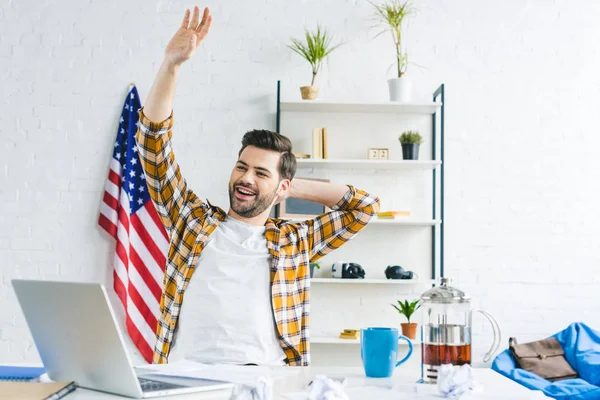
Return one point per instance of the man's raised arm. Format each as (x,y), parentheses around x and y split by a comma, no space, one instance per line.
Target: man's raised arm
(166,185)
(352,209)
(181,48)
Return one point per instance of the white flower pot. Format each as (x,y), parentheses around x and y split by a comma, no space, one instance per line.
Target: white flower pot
(400,89)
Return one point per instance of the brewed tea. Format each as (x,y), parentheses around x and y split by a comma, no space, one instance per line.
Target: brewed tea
(434,355)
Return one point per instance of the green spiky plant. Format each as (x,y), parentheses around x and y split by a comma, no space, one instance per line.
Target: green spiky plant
(411,137)
(315,49)
(407,309)
(393,14)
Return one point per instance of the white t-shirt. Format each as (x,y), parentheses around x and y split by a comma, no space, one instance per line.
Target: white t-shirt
(226,316)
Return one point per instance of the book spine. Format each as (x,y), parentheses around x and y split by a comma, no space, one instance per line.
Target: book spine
(324,132)
(317,144)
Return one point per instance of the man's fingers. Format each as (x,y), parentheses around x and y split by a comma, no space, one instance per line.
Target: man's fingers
(205,26)
(195,18)
(205,16)
(186,19)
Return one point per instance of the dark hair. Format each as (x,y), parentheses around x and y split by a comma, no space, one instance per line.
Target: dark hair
(269,140)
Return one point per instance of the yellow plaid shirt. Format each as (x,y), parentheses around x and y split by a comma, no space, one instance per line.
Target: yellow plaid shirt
(190,221)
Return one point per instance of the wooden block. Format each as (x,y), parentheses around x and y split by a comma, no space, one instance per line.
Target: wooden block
(373,154)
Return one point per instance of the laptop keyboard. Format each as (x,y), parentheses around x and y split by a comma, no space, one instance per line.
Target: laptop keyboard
(154,386)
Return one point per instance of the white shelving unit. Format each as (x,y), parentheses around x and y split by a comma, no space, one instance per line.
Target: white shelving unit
(352,128)
(416,165)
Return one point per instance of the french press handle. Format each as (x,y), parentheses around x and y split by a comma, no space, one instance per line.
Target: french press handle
(497,334)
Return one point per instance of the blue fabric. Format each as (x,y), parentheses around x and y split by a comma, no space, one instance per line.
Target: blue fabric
(581,345)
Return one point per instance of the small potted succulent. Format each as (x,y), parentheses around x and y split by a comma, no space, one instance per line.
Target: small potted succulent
(410,141)
(312,268)
(409,329)
(316,49)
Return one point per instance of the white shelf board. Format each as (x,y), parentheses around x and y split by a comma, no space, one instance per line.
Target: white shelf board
(406,221)
(337,340)
(417,165)
(401,221)
(374,281)
(346,107)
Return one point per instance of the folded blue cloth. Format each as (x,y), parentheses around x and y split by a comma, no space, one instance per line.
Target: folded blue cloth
(581,345)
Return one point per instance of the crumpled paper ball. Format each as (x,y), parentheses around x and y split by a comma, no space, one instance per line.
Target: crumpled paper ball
(454,381)
(261,390)
(323,388)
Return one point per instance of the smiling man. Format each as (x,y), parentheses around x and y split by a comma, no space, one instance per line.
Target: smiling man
(245,275)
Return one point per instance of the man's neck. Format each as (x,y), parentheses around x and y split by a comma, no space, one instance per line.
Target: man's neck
(259,220)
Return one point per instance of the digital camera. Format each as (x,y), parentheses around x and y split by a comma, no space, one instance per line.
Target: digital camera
(347,270)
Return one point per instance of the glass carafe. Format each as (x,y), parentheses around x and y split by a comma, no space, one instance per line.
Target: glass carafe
(446,329)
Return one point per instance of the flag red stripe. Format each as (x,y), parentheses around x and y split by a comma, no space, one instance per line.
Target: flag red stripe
(136,337)
(121,251)
(149,280)
(124,219)
(138,300)
(139,340)
(120,289)
(151,245)
(107,225)
(122,254)
(114,177)
(110,201)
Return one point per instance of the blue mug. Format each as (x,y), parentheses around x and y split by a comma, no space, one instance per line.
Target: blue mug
(379,351)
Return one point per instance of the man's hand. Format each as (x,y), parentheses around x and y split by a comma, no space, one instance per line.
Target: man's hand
(188,37)
(182,47)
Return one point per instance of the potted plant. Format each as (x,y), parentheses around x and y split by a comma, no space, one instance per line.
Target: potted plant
(393,14)
(316,49)
(407,309)
(410,141)
(312,268)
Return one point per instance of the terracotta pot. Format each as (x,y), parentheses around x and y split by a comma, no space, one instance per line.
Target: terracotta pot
(409,330)
(309,92)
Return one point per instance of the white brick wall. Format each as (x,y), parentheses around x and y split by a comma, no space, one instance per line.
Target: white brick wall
(522,184)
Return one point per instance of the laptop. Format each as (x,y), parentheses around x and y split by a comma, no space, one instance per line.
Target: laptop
(76,334)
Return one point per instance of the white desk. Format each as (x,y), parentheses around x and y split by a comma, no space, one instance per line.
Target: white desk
(495,385)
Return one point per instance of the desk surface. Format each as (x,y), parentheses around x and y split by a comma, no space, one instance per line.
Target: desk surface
(495,385)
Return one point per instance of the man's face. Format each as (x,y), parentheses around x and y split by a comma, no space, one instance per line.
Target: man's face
(254,181)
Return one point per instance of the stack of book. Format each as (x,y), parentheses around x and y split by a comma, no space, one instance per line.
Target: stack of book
(350,334)
(393,214)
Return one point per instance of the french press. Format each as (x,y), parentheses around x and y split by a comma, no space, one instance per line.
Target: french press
(446,329)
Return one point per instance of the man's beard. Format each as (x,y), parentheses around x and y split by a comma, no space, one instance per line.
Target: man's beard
(253,207)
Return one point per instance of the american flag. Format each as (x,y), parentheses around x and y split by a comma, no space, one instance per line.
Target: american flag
(128,214)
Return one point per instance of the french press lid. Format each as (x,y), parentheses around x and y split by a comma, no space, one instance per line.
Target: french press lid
(445,294)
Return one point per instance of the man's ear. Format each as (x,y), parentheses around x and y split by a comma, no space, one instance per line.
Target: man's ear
(284,188)
(283,192)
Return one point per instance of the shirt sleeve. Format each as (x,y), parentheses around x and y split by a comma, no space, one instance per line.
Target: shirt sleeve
(331,230)
(167,187)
